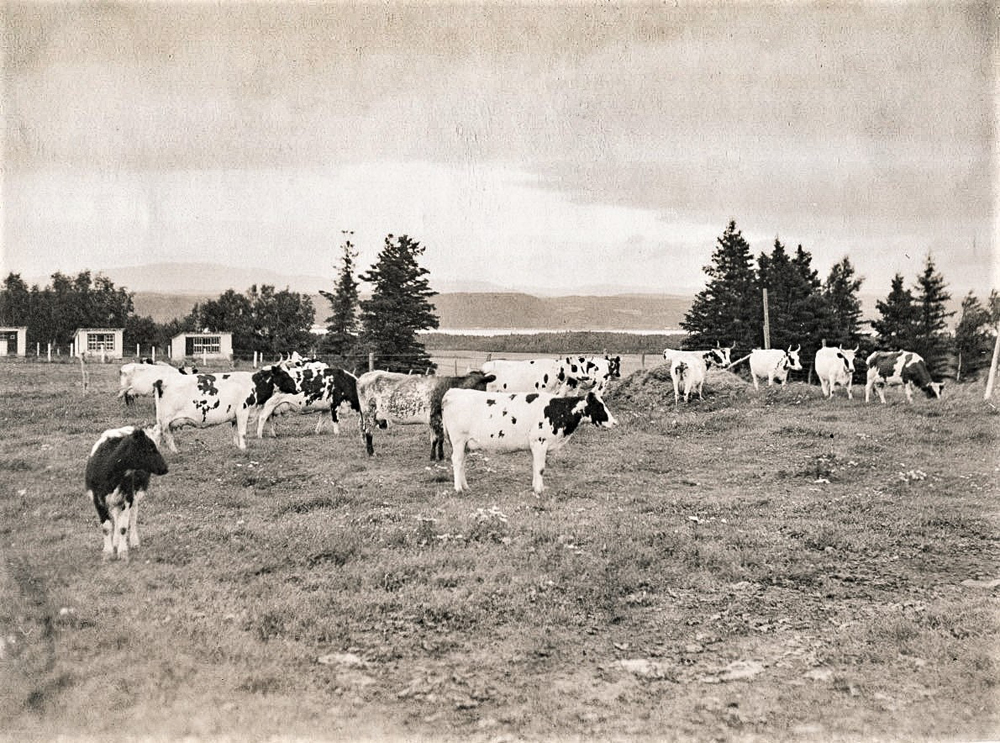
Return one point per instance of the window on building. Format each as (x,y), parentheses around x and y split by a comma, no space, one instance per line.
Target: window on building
(100,341)
(199,344)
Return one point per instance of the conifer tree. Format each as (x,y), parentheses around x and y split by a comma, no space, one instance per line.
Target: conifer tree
(896,328)
(933,340)
(974,336)
(399,307)
(342,325)
(843,306)
(728,309)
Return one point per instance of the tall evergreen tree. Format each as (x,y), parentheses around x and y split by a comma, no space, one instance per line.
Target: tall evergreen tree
(342,325)
(896,327)
(399,307)
(728,309)
(933,341)
(974,337)
(840,290)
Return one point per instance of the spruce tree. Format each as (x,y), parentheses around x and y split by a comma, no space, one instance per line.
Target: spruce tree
(974,337)
(342,325)
(896,328)
(728,310)
(399,307)
(933,340)
(840,291)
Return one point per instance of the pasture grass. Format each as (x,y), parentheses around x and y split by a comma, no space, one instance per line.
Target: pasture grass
(758,566)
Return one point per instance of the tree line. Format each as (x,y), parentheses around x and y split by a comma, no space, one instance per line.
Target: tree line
(261,319)
(803,309)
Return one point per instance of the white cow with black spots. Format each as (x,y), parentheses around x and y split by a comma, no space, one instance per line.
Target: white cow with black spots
(204,400)
(535,422)
(568,375)
(774,364)
(903,368)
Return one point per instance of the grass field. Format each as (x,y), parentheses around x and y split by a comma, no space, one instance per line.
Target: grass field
(752,567)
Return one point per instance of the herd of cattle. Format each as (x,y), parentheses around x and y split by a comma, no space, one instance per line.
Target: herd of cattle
(534,405)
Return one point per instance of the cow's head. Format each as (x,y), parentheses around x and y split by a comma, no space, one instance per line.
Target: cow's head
(792,358)
(934,390)
(141,453)
(846,355)
(187,369)
(477,380)
(614,366)
(597,411)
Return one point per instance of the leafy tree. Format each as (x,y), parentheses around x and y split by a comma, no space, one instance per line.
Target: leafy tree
(260,320)
(729,308)
(399,307)
(840,290)
(342,325)
(896,328)
(933,341)
(141,331)
(975,335)
(15,301)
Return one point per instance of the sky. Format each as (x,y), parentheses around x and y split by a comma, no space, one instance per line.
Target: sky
(558,146)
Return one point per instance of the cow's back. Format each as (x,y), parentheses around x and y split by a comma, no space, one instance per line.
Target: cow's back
(494,420)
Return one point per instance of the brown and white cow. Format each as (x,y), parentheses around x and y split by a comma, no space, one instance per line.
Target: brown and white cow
(117,476)
(409,398)
(535,422)
(900,368)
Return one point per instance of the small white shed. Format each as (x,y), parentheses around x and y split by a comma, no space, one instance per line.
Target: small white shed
(202,346)
(108,343)
(13,341)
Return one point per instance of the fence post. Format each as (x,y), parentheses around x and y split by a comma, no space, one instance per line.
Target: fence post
(767,324)
(153,352)
(371,361)
(489,357)
(50,352)
(642,360)
(992,378)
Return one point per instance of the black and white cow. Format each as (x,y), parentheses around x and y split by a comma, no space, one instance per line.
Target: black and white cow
(535,422)
(692,367)
(409,398)
(136,378)
(773,364)
(567,375)
(117,476)
(835,365)
(204,400)
(900,368)
(311,386)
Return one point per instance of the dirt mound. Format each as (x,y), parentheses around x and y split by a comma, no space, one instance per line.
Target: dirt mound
(654,386)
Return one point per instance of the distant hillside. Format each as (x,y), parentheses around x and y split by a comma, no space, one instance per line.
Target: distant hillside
(473,310)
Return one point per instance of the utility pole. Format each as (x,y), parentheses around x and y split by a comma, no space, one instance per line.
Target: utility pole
(767,324)
(992,378)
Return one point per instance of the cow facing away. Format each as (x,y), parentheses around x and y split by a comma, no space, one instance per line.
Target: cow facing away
(773,364)
(117,476)
(568,375)
(835,365)
(204,400)
(903,368)
(691,367)
(535,422)
(408,398)
(310,387)
(136,378)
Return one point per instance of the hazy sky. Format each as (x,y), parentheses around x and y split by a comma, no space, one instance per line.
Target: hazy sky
(558,146)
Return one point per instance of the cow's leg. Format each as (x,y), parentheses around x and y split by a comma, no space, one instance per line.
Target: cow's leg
(458,449)
(119,535)
(881,393)
(133,520)
(908,389)
(868,389)
(850,394)
(108,528)
(754,378)
(676,390)
(538,451)
(319,425)
(333,417)
(168,436)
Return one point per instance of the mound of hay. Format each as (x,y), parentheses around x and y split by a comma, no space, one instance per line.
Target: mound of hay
(654,386)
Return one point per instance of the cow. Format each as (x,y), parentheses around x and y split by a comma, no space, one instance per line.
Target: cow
(310,386)
(718,356)
(536,422)
(692,367)
(136,378)
(204,400)
(410,398)
(563,376)
(773,364)
(116,477)
(835,365)
(900,368)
